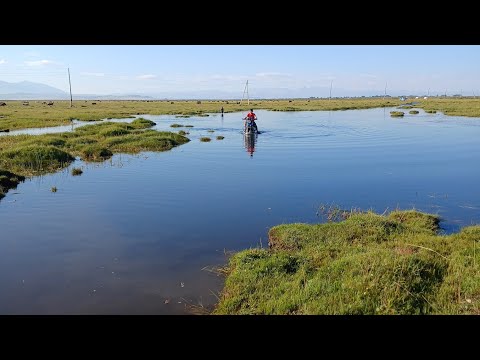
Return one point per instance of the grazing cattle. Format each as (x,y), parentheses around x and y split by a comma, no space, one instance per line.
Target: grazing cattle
(3,104)
(94,103)
(50,103)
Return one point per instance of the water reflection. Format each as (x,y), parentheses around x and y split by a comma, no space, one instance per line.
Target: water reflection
(249,141)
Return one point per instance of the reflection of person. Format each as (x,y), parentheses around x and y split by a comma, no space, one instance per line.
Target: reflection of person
(252,117)
(250,144)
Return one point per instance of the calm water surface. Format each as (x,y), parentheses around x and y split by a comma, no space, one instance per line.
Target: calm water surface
(138,233)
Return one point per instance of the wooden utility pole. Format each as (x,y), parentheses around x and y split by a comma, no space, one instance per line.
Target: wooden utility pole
(70,83)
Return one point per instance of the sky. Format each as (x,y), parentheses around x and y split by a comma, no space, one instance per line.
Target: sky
(271,70)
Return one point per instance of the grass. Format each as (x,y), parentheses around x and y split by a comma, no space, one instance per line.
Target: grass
(396,263)
(30,155)
(205,139)
(414,112)
(8,181)
(53,189)
(77,171)
(396,113)
(220,137)
(16,116)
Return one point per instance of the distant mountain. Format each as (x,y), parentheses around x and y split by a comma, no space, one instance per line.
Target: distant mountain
(30,90)
(27,90)
(111,97)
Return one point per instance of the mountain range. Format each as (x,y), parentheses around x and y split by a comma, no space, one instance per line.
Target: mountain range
(27,90)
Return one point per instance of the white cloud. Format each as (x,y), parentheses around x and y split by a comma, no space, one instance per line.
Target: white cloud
(146,77)
(40,62)
(92,74)
(3,61)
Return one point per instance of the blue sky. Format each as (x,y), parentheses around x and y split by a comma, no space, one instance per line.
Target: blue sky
(305,70)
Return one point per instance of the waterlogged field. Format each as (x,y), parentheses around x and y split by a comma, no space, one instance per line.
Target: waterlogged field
(21,115)
(140,233)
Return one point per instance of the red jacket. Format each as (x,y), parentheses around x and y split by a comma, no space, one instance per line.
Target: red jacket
(251,116)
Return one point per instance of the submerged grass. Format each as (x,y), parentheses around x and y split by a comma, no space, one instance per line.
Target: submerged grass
(366,264)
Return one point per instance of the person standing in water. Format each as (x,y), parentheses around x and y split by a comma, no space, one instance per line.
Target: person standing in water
(222,110)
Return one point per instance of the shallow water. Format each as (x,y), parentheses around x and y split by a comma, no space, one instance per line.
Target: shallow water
(138,233)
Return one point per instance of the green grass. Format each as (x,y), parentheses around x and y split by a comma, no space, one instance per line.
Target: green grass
(30,155)
(77,171)
(413,112)
(16,116)
(205,139)
(397,113)
(220,137)
(366,264)
(8,181)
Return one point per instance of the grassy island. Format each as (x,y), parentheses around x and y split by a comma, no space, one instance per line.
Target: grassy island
(366,264)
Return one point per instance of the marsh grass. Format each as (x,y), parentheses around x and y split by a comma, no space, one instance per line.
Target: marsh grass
(9,180)
(205,139)
(30,155)
(395,263)
(176,125)
(77,171)
(413,112)
(53,189)
(397,113)
(220,137)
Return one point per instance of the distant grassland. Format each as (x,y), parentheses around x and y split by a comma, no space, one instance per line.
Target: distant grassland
(37,113)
